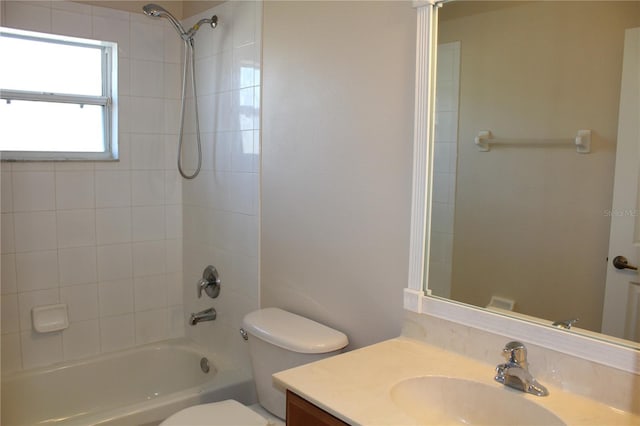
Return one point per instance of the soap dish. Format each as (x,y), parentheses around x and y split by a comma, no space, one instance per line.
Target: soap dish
(50,318)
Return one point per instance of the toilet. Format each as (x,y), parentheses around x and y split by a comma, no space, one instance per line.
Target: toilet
(278,340)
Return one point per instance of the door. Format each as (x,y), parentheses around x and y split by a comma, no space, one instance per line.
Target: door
(621,313)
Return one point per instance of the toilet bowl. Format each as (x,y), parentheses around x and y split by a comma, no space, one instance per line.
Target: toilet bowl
(278,340)
(223,413)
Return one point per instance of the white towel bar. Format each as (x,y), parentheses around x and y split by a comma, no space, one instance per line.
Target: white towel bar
(582,141)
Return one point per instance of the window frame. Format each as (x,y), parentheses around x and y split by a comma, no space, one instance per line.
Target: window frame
(108,99)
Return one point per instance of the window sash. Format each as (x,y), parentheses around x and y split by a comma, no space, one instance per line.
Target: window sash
(106,101)
(23,95)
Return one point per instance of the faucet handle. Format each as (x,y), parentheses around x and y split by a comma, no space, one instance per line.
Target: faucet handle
(515,352)
(210,282)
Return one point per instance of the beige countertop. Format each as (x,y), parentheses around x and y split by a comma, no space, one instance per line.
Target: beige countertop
(356,386)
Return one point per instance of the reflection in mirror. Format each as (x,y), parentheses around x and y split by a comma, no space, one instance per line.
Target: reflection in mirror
(527,223)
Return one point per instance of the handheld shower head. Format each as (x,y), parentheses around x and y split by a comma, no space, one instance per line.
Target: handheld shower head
(153,10)
(157,11)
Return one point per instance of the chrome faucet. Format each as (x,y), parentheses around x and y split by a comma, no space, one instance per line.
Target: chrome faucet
(515,372)
(206,315)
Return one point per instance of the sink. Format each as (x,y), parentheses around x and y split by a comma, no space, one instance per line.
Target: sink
(437,400)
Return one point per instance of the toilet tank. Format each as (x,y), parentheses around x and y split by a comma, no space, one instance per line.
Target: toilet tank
(279,340)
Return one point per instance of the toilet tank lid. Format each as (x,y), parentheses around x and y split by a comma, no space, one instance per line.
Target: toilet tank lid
(293,332)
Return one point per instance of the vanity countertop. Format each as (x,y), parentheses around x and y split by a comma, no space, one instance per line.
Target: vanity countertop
(355,386)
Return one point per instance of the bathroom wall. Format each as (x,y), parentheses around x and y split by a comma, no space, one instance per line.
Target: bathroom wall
(338,91)
(221,205)
(103,237)
(524,213)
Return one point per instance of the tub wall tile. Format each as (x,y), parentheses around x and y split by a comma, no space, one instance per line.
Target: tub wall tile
(150,292)
(75,190)
(151,326)
(79,232)
(6,191)
(8,233)
(76,228)
(33,191)
(82,302)
(77,265)
(11,356)
(175,321)
(81,339)
(113,189)
(109,233)
(148,223)
(115,262)
(37,270)
(174,290)
(113,225)
(39,350)
(148,258)
(115,298)
(8,279)
(117,333)
(35,231)
(221,208)
(10,317)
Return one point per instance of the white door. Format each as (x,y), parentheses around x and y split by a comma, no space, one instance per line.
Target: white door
(621,314)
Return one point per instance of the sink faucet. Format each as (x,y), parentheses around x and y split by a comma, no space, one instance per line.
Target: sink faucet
(515,372)
(206,315)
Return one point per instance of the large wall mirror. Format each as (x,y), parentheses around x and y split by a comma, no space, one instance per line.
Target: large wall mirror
(521,221)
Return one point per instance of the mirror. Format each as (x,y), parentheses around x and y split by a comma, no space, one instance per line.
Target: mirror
(522,225)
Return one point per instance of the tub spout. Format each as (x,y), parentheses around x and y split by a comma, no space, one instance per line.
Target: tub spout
(206,315)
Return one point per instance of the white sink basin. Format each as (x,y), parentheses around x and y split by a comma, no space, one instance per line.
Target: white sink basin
(435,400)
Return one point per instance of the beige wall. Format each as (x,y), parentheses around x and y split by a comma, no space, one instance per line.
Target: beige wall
(530,221)
(336,162)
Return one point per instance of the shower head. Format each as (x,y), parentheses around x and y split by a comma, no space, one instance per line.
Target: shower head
(153,10)
(156,11)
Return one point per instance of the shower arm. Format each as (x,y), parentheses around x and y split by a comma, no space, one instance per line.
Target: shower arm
(188,35)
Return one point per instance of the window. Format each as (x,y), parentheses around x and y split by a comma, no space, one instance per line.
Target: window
(57,97)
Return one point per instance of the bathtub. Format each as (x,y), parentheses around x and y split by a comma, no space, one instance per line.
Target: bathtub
(139,386)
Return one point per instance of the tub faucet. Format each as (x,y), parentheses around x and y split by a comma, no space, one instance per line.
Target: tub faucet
(515,372)
(206,315)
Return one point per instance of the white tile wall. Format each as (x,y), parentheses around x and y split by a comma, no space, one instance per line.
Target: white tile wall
(445,161)
(104,238)
(115,297)
(220,214)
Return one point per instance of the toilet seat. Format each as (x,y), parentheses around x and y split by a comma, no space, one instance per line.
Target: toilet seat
(223,413)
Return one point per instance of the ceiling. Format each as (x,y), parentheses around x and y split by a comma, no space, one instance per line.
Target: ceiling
(180,9)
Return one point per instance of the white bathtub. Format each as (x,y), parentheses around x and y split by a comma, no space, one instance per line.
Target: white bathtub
(139,386)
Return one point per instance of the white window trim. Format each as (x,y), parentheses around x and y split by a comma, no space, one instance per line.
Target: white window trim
(108,101)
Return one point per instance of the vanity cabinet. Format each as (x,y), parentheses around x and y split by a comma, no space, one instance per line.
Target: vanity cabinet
(301,412)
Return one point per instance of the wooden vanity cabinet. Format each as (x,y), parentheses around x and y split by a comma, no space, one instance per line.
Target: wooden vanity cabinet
(301,412)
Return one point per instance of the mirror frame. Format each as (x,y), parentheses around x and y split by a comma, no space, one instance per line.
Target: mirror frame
(610,351)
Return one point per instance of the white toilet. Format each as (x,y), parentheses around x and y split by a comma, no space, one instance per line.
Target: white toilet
(278,340)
